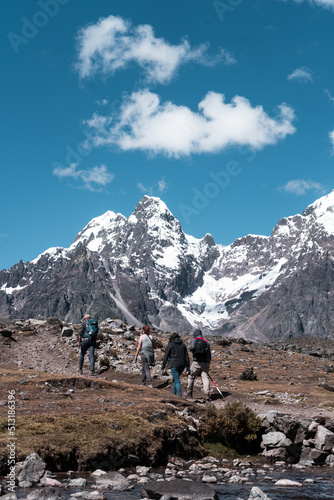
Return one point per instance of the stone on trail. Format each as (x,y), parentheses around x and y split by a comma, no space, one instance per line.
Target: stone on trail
(179,488)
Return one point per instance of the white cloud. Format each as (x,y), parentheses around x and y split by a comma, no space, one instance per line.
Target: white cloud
(102,102)
(144,189)
(92,180)
(113,43)
(329,95)
(161,187)
(331,138)
(145,123)
(321,3)
(302,74)
(300,187)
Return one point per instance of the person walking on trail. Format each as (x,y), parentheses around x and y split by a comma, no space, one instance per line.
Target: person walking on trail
(87,342)
(179,360)
(200,365)
(146,346)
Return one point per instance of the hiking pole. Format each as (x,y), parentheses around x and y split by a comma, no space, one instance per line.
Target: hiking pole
(216,386)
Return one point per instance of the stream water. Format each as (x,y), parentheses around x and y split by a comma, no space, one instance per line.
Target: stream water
(321,489)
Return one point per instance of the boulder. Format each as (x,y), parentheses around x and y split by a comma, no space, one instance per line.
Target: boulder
(31,470)
(113,481)
(49,481)
(257,494)
(9,496)
(324,439)
(179,488)
(276,453)
(313,455)
(45,494)
(275,440)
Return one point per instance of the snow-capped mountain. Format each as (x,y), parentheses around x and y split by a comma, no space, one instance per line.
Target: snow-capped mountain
(145,269)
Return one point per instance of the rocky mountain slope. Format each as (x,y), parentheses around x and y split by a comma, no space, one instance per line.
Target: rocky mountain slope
(145,269)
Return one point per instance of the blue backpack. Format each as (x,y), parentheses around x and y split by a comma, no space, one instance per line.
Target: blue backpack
(92,329)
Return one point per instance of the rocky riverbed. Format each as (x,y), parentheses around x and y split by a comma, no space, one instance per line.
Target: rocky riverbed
(110,422)
(205,479)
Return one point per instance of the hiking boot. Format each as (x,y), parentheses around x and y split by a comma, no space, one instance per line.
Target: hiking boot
(149,385)
(92,372)
(80,371)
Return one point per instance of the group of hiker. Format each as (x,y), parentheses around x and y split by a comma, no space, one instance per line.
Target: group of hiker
(176,354)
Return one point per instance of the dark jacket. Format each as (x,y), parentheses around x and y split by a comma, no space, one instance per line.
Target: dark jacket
(178,354)
(200,360)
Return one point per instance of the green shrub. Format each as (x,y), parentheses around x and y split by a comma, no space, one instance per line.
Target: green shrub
(236,426)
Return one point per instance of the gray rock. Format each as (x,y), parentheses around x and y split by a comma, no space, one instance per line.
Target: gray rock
(9,496)
(31,470)
(89,495)
(67,331)
(179,488)
(276,453)
(113,481)
(79,482)
(45,494)
(275,440)
(257,494)
(49,481)
(324,439)
(288,482)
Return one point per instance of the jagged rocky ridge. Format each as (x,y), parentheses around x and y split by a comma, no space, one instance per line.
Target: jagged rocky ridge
(145,269)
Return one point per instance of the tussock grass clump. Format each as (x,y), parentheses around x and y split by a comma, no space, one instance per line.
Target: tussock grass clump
(236,427)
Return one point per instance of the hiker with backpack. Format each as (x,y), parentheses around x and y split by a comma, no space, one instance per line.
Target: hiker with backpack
(179,360)
(146,346)
(200,365)
(87,342)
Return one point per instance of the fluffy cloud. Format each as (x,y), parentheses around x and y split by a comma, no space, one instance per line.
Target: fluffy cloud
(301,186)
(145,123)
(92,180)
(302,74)
(113,43)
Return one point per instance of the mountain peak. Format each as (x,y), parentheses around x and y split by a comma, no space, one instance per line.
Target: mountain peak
(153,209)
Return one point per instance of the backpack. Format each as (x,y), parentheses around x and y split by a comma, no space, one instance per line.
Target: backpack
(200,348)
(92,329)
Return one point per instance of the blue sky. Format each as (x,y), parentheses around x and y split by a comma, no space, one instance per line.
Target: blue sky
(224,109)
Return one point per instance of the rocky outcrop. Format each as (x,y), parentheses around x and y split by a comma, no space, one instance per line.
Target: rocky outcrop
(305,441)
